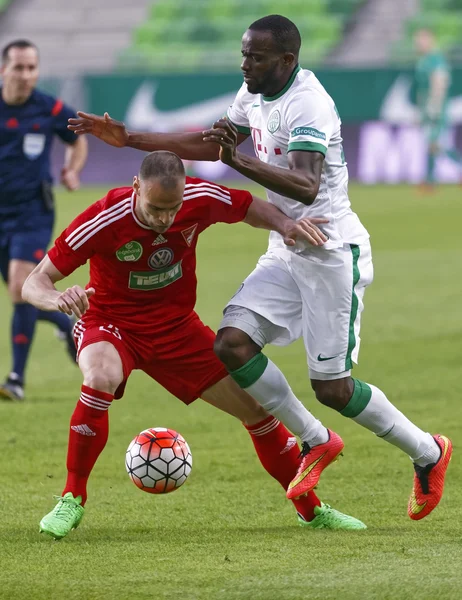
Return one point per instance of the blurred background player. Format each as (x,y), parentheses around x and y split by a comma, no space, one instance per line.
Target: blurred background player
(29,120)
(433,80)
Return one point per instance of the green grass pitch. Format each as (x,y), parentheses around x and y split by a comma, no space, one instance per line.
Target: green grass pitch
(229,533)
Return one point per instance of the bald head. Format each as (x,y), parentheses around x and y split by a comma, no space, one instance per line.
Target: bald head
(165,167)
(159,189)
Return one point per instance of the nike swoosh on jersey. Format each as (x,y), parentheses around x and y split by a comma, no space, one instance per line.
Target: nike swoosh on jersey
(142,112)
(322,358)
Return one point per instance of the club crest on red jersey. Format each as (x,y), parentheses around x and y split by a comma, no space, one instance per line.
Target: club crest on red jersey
(188,234)
(130,252)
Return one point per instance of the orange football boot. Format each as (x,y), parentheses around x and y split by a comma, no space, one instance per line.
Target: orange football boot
(429,482)
(312,464)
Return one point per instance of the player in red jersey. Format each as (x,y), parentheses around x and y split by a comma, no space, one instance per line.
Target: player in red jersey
(137,312)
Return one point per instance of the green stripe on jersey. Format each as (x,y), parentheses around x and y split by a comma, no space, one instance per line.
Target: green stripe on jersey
(241,128)
(286,87)
(355,252)
(307,147)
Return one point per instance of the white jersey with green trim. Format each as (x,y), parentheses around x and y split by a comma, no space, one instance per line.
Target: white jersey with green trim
(302,117)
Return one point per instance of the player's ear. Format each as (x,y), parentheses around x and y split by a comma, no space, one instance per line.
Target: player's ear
(289,59)
(136,185)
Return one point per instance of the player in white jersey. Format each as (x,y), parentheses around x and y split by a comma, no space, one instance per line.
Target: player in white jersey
(301,118)
(310,292)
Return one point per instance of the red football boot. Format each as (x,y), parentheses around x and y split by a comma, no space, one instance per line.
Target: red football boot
(429,482)
(312,464)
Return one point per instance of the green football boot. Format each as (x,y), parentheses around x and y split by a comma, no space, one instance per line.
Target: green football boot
(329,518)
(65,516)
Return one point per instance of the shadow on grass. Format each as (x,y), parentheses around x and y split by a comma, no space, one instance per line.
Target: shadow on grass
(195,536)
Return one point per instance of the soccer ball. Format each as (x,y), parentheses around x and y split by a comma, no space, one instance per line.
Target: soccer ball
(158,460)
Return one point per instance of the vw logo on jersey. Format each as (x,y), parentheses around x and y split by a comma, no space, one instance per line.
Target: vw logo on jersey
(274,121)
(160,258)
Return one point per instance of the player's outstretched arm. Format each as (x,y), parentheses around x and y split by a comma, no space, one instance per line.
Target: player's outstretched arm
(40,291)
(264,215)
(189,146)
(300,182)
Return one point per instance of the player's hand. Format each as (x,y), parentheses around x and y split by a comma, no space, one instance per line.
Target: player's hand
(105,128)
(70,179)
(74,301)
(223,133)
(305,230)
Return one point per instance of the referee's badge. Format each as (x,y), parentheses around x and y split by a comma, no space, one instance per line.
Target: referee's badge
(33,145)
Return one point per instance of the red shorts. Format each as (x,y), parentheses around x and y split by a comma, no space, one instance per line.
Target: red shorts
(183,361)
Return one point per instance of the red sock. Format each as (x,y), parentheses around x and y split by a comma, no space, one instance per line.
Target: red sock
(88,435)
(278,452)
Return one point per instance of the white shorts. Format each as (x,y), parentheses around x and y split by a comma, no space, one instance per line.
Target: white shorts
(317,294)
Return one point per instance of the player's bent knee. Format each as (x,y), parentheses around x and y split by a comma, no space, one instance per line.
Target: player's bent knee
(334,393)
(231,344)
(101,367)
(102,379)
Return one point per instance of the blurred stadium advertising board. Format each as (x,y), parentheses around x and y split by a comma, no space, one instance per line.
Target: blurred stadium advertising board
(382,140)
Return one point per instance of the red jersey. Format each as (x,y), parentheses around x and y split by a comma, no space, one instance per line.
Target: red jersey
(144,280)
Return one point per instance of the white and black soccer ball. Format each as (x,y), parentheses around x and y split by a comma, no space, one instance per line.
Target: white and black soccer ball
(158,460)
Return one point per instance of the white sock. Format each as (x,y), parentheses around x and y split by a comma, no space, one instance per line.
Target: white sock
(388,423)
(273,392)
